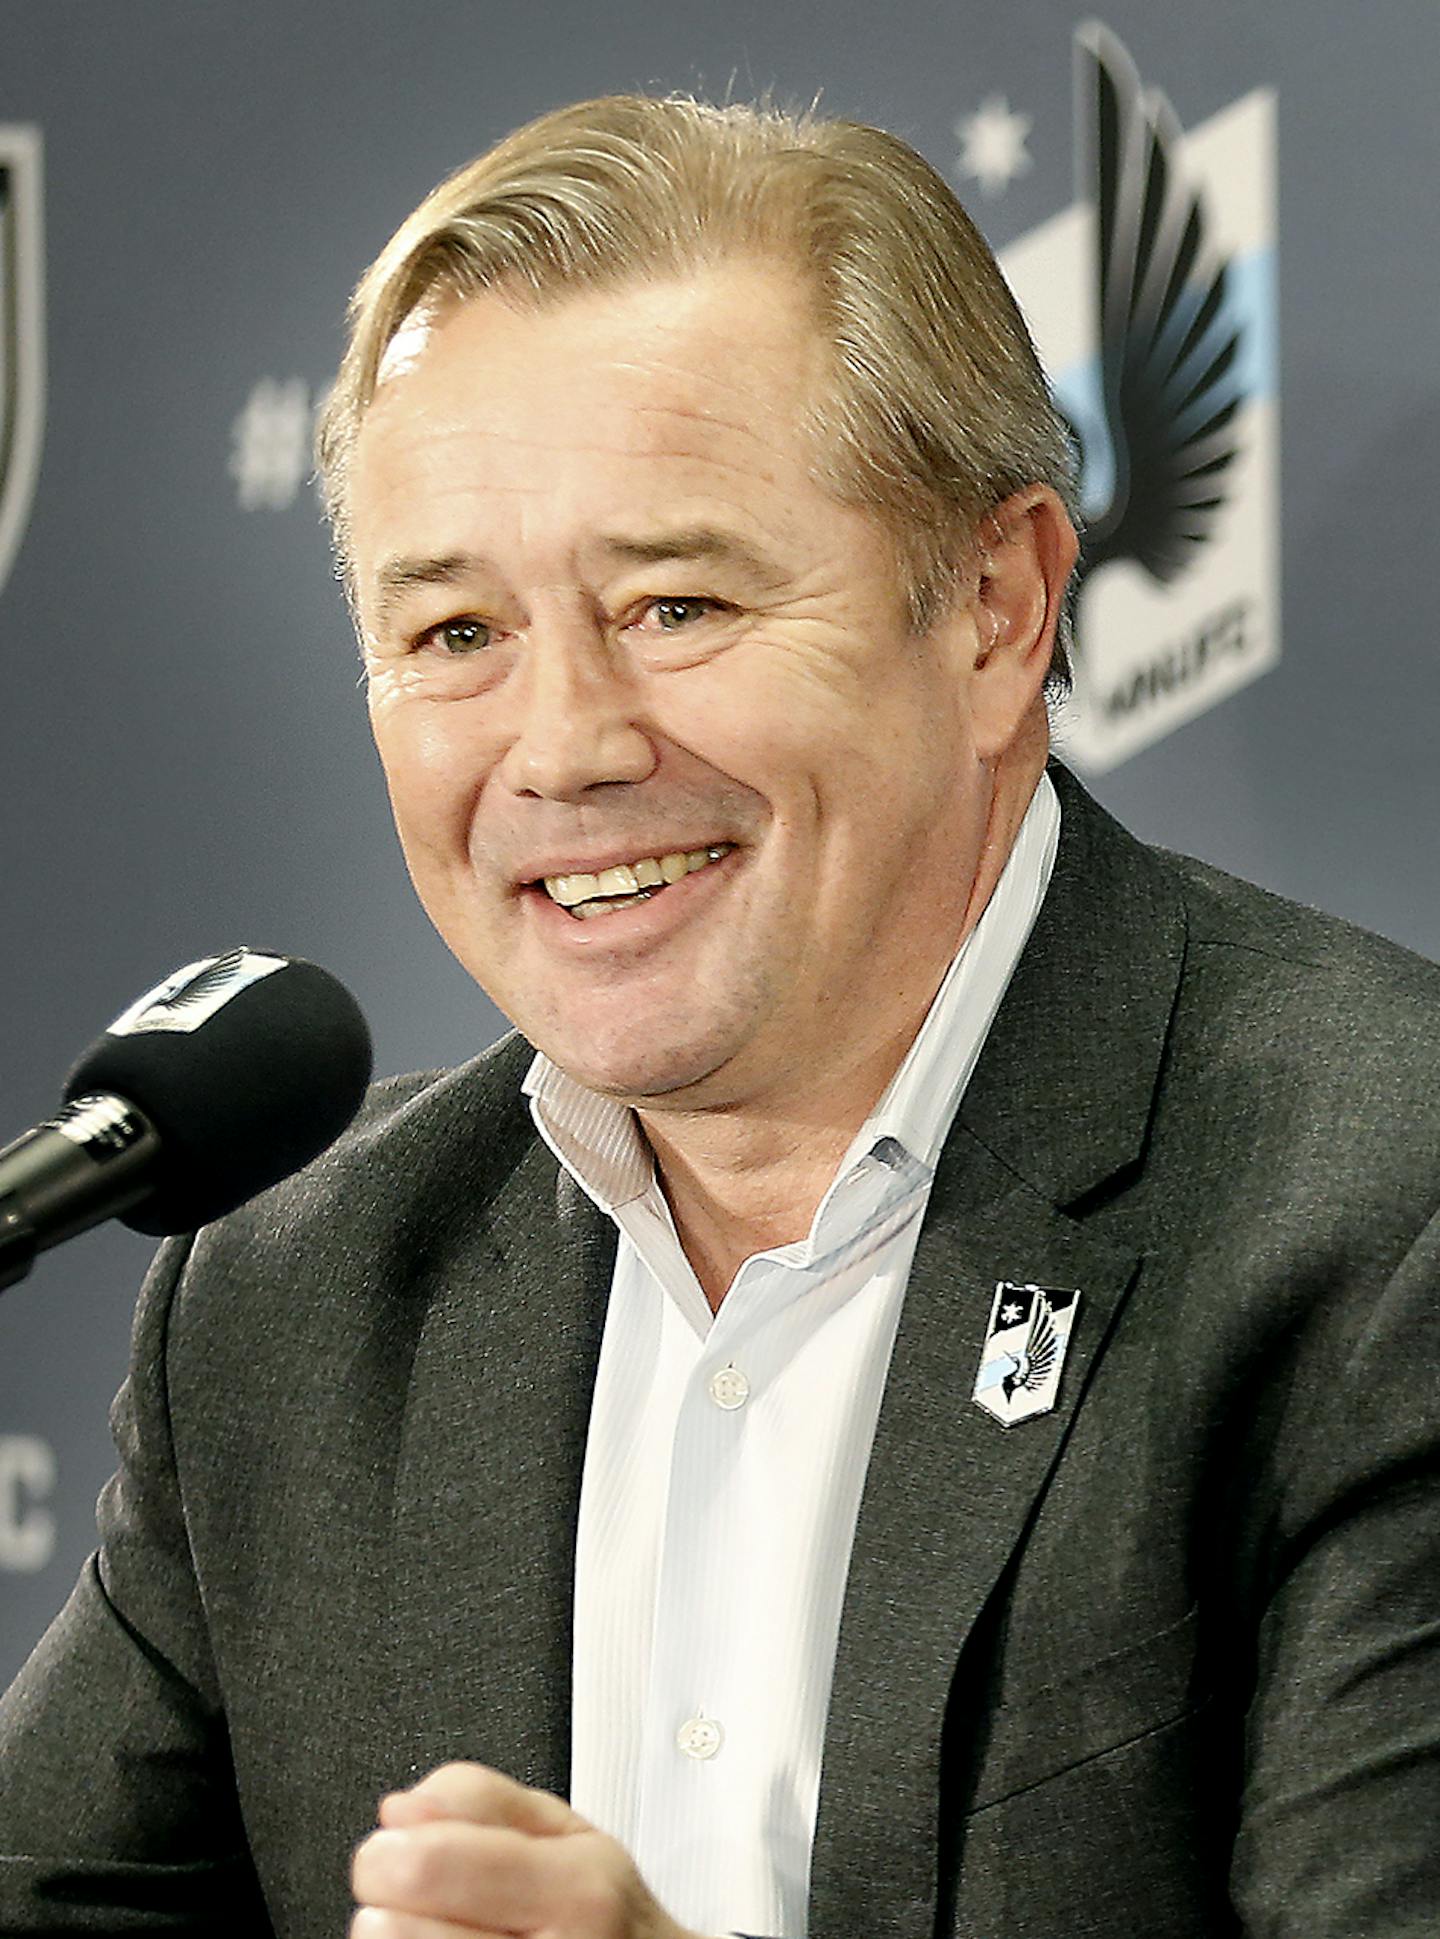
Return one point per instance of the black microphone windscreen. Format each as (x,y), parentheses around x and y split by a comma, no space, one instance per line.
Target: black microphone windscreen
(248,1065)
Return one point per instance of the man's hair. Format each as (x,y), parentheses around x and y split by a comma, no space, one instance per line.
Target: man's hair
(937,408)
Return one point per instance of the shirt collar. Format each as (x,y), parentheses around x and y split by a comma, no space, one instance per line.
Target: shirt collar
(599,1142)
(919,1104)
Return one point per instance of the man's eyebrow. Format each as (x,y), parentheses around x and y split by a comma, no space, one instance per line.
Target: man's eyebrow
(401,575)
(692,542)
(680,544)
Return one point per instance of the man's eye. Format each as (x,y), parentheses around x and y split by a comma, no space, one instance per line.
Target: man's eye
(457,637)
(673,614)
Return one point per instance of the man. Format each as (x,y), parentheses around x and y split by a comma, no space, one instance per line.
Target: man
(952,1299)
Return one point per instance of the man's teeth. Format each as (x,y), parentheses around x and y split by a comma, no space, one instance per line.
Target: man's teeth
(635,881)
(583,911)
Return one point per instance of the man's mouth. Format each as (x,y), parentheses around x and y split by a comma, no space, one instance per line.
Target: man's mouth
(584,896)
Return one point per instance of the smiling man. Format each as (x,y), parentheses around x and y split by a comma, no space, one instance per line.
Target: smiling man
(677,777)
(874,1411)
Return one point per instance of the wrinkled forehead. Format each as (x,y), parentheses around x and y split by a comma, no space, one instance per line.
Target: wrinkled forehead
(663,314)
(659,400)
(718,360)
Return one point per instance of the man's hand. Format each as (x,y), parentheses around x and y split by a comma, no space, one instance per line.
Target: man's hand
(468,1851)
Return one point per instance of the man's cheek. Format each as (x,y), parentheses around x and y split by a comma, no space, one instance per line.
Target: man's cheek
(754,733)
(435,784)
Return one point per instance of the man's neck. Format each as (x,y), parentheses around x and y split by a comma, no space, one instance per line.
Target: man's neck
(744,1181)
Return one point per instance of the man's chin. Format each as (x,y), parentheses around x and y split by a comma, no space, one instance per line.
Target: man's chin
(637,1074)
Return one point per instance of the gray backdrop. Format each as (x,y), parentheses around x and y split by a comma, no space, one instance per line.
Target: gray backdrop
(182,741)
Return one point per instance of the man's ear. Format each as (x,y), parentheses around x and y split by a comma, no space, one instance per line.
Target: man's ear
(1028,548)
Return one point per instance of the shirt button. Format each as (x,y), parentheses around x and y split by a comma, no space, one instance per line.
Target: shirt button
(729,1388)
(700,1737)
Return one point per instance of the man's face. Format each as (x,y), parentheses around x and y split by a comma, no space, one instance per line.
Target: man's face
(612,622)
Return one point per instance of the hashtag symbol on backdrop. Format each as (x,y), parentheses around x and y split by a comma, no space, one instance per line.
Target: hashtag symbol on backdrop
(270,444)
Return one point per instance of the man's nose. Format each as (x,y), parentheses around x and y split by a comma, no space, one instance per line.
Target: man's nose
(577,722)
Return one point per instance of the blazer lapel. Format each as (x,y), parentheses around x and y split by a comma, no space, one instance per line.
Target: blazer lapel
(488,1482)
(1056,1113)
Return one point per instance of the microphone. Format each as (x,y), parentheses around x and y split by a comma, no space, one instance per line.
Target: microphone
(222,1080)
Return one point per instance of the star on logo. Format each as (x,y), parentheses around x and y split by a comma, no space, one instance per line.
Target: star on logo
(992,144)
(1011,1313)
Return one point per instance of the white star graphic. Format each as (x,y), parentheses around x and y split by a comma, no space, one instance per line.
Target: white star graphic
(1011,1313)
(992,144)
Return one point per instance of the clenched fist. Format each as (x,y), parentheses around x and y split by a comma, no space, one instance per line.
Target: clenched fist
(468,1851)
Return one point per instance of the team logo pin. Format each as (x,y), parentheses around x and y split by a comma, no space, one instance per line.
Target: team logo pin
(1024,1351)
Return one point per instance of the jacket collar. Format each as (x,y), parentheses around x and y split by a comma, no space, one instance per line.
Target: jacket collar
(1063,1093)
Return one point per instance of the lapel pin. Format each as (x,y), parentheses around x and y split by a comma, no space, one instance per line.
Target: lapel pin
(1024,1351)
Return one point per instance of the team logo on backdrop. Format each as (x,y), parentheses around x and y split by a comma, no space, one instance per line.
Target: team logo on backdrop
(1152,302)
(27,1482)
(22,334)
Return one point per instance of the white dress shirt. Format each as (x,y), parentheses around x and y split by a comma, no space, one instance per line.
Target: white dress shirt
(726,1458)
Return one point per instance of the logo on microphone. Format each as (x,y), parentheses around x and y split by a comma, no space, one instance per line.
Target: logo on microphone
(22,334)
(192,995)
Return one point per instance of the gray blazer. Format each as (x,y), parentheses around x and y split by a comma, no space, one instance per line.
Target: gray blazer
(1164,1662)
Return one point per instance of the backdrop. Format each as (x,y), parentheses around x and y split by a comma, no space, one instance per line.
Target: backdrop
(187,193)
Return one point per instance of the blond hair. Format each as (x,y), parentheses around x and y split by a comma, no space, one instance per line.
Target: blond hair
(937,409)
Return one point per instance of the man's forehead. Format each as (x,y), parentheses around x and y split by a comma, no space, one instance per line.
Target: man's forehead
(745,326)
(653,391)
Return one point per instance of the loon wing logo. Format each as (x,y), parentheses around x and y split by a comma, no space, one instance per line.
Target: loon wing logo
(1152,302)
(1169,339)
(191,996)
(22,334)
(1023,1354)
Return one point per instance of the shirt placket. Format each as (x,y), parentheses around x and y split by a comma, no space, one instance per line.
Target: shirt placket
(703,1741)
